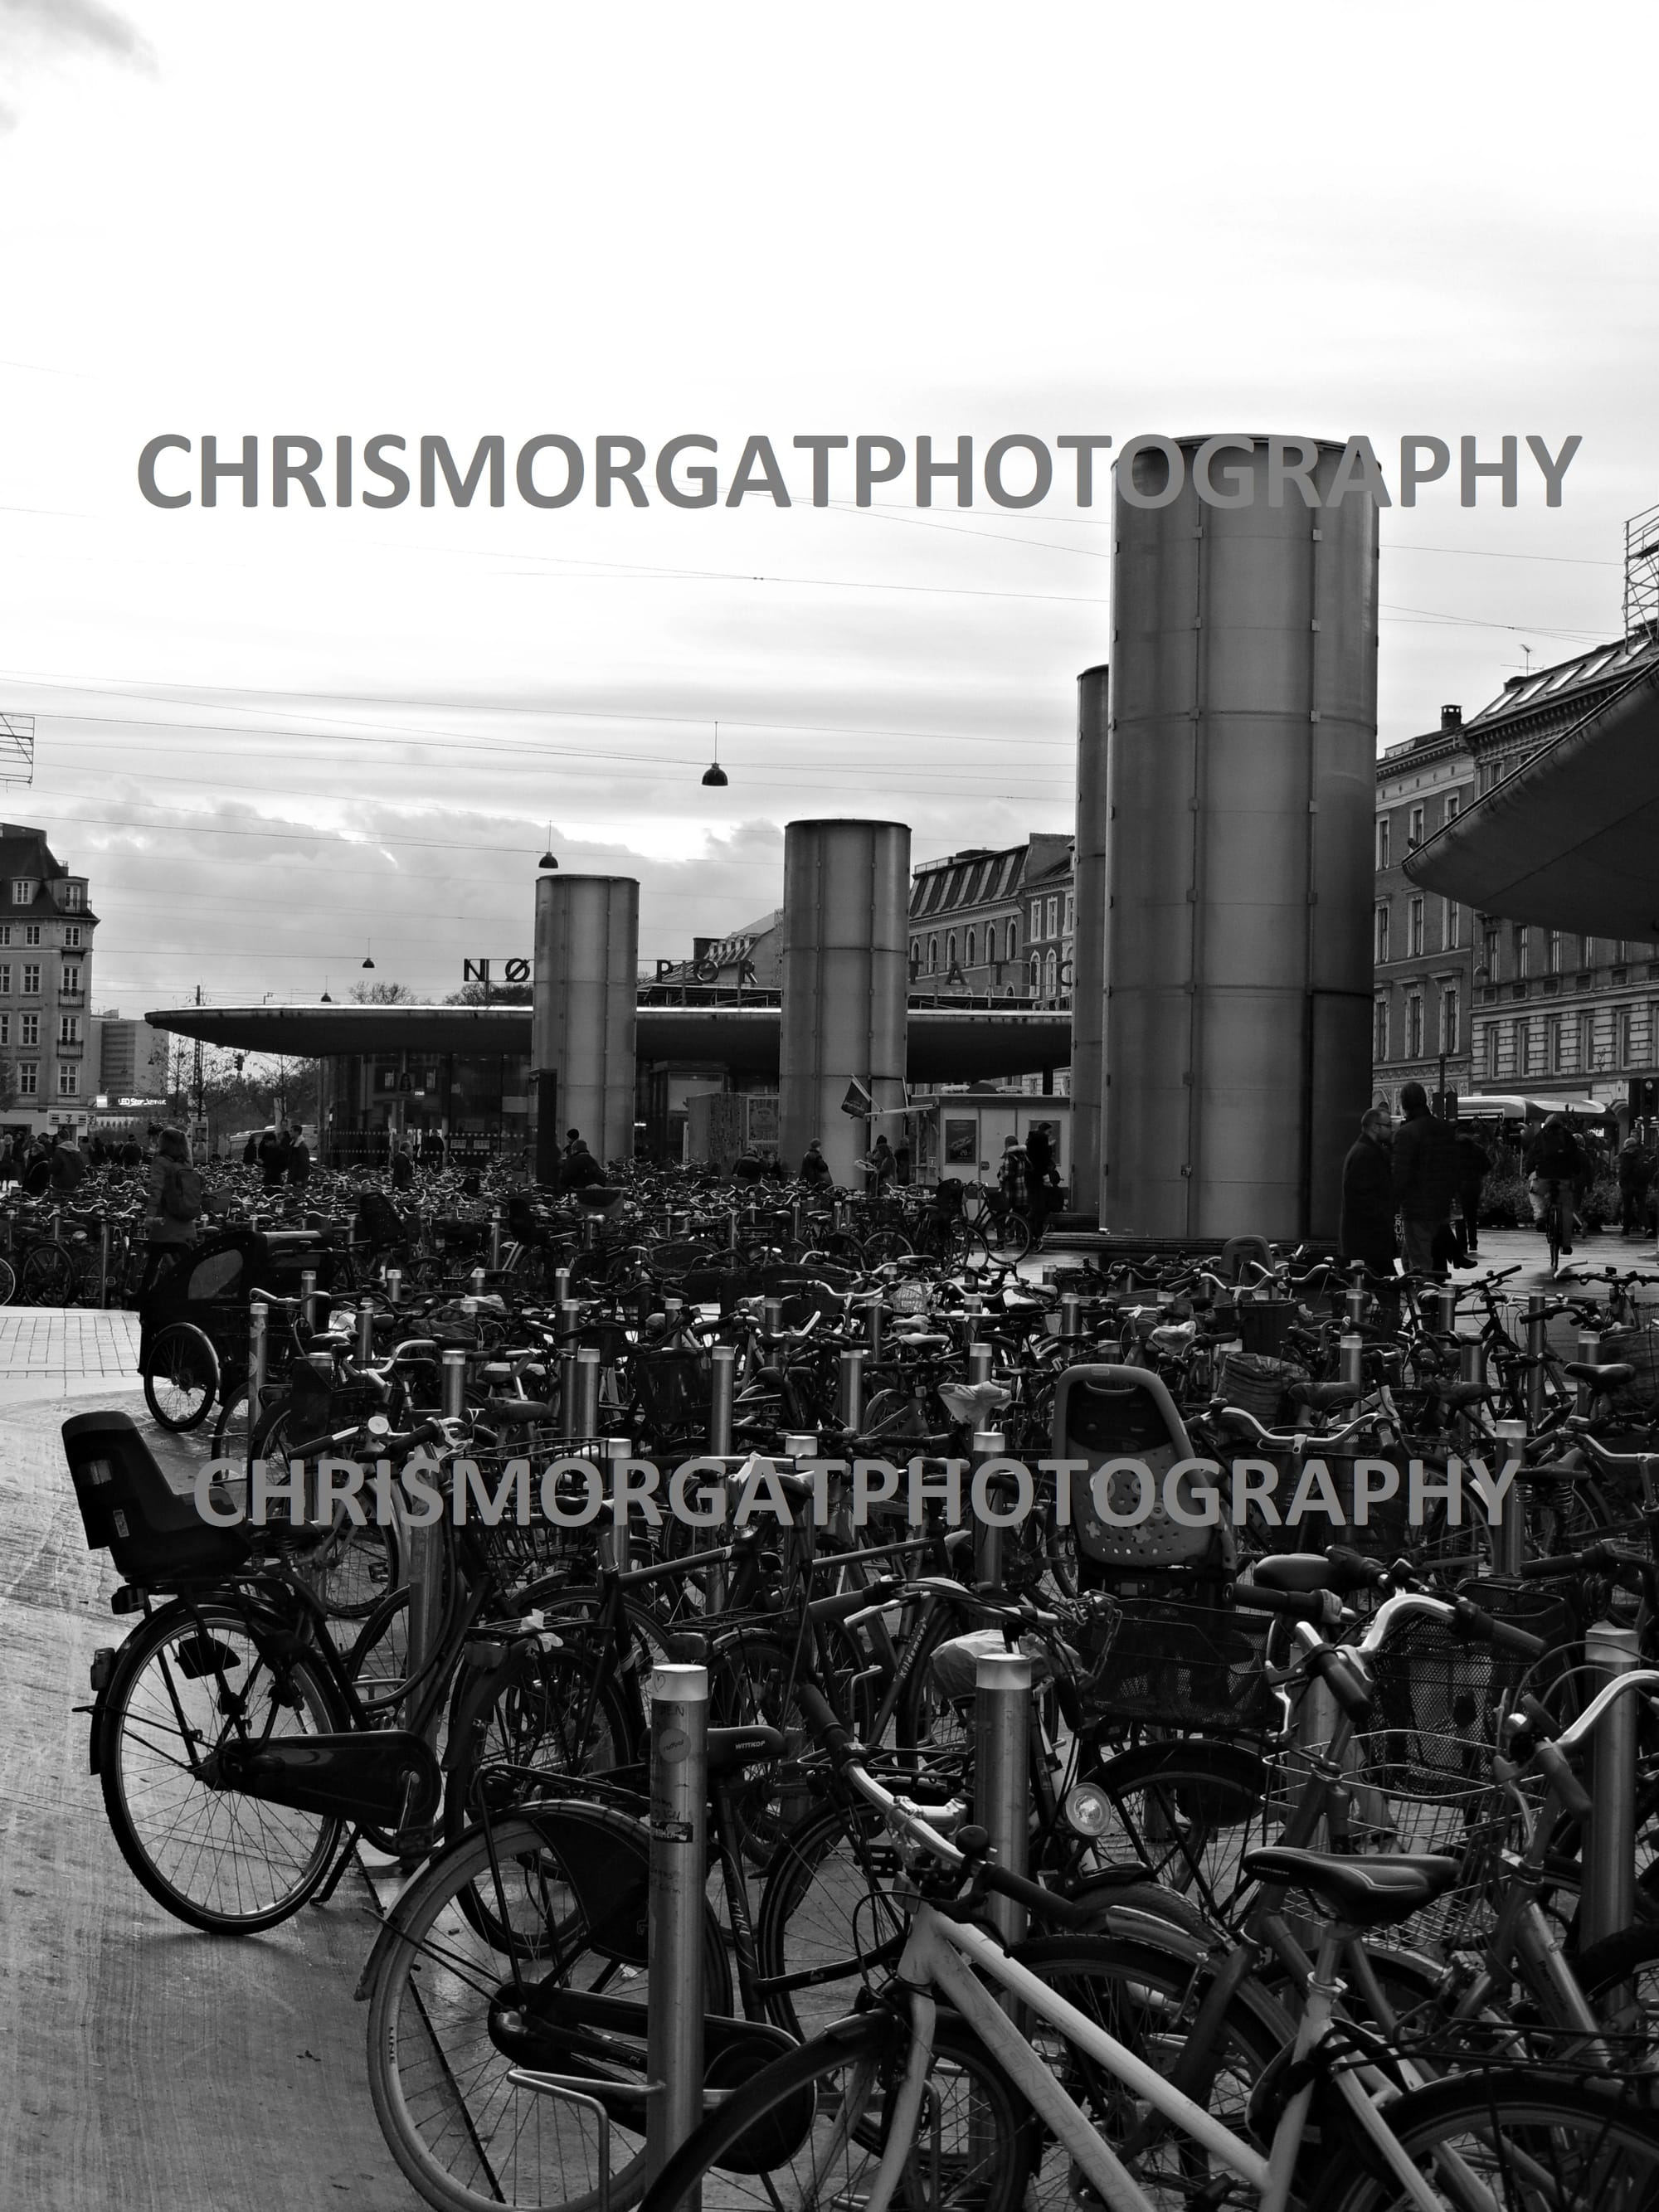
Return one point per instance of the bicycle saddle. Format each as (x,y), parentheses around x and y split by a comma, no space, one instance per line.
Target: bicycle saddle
(1603,1378)
(1366,1893)
(731,1749)
(1322,1396)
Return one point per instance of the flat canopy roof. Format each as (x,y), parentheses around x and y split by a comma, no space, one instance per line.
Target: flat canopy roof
(1571,840)
(947,1044)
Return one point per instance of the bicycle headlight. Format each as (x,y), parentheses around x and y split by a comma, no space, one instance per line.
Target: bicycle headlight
(1087,1810)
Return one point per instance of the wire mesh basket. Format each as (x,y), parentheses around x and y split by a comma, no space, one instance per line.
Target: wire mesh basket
(1191,1666)
(1432,1792)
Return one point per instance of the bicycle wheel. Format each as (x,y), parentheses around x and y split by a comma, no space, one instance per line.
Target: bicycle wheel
(181,1376)
(886,1244)
(8,1282)
(187,1684)
(47,1278)
(532,1720)
(1523,2143)
(1010,1237)
(438,2064)
(810,2128)
(233,1431)
(1188,1813)
(826,1918)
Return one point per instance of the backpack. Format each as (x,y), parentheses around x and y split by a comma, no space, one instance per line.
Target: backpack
(1558,1157)
(181,1195)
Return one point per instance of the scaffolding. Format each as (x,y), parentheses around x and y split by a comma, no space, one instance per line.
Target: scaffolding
(1642,574)
(17,748)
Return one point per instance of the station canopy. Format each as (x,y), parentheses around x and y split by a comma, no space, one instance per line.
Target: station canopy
(1570,841)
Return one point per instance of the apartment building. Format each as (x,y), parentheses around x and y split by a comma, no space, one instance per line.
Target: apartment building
(47,929)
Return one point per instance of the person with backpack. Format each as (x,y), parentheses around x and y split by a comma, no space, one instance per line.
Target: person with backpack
(175,1207)
(68,1165)
(1555,1162)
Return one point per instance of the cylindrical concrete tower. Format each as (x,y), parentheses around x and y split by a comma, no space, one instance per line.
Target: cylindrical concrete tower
(587,986)
(1088,943)
(1240,785)
(846,985)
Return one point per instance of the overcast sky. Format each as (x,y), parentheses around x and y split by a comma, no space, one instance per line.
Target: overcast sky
(269,735)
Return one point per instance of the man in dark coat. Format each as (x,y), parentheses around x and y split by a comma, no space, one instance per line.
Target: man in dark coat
(1635,1174)
(1365,1231)
(1474,1165)
(580,1170)
(1426,1177)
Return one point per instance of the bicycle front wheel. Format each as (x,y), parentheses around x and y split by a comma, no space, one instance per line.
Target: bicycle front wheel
(188,1684)
(811,2129)
(1524,2142)
(181,1376)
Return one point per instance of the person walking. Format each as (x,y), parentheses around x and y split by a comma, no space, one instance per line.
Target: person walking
(881,1165)
(1041,1179)
(1635,1174)
(815,1169)
(402,1167)
(272,1163)
(175,1208)
(69,1166)
(1365,1226)
(1473,1166)
(298,1155)
(1424,1179)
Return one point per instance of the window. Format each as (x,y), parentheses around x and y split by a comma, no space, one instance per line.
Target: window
(1448,1021)
(1521,1034)
(31,932)
(1037,917)
(1036,977)
(1414,1026)
(5,1029)
(5,978)
(69,1079)
(5,933)
(1013,952)
(72,980)
(1415,828)
(74,897)
(1451,925)
(1051,976)
(1416,929)
(22,891)
(72,937)
(933,955)
(1522,951)
(1651,1056)
(31,979)
(915,954)
(1382,946)
(1624,1029)
(1489,951)
(29,1031)
(1553,952)
(1380,1030)
(29,1079)
(1071,910)
(1489,1050)
(69,1028)
(970,956)
(950,952)
(1382,841)
(1453,807)
(1557,1029)
(1053,917)
(1586,1042)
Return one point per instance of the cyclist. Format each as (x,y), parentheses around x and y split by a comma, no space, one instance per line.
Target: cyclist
(1554,1165)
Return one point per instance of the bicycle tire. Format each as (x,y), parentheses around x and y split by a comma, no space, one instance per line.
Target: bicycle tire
(805,2112)
(219,1861)
(458,2128)
(348,1565)
(529,1721)
(8,1282)
(47,1276)
(1541,2140)
(1012,1236)
(1188,1812)
(825,1919)
(233,1431)
(181,1376)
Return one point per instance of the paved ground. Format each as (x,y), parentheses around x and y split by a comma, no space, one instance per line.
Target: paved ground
(143,2067)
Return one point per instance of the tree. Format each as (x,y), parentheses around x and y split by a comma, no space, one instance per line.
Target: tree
(383,994)
(500,994)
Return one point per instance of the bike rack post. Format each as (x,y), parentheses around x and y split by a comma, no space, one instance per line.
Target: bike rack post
(587,1392)
(1352,1369)
(797,1222)
(674,1927)
(874,1312)
(987,1445)
(454,1385)
(772,1316)
(1472,1361)
(1589,1353)
(258,1354)
(1356,1302)
(365,1335)
(1610,1896)
(562,1292)
(590,1233)
(494,1243)
(849,1390)
(1071,1315)
(475,1283)
(732,1229)
(308,1298)
(103,1262)
(722,1387)
(1509,1534)
(394,1284)
(1537,1343)
(980,1358)
(1002,1777)
(1445,1300)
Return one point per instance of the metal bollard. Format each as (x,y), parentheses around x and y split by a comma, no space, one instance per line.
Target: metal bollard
(454,1385)
(732,1229)
(587,1392)
(590,1233)
(475,1283)
(772,1316)
(394,1284)
(797,1222)
(1472,1361)
(1353,1354)
(1590,1355)
(1002,1774)
(425,1571)
(259,1355)
(103,1263)
(723,1377)
(1538,1342)
(1357,1303)
(1445,1299)
(562,1290)
(874,1313)
(1609,1893)
(988,1443)
(980,1360)
(1509,1534)
(1071,1315)
(674,1932)
(494,1243)
(365,1335)
(308,1298)
(849,1390)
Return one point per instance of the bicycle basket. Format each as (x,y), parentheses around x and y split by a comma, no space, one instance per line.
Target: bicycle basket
(1178,1665)
(1256,1385)
(1437,1699)
(1640,1347)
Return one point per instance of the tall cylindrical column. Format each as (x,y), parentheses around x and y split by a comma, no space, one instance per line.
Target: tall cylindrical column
(1089,942)
(1239,790)
(586,989)
(846,986)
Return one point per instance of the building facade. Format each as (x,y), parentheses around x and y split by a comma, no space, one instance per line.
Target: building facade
(1509,1007)
(47,928)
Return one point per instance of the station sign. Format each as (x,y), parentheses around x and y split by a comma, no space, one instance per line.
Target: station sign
(493,971)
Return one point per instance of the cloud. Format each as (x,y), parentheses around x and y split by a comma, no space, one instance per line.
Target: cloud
(67,25)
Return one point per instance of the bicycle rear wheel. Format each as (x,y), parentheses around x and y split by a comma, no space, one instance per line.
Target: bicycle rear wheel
(185,1684)
(181,1376)
(47,1276)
